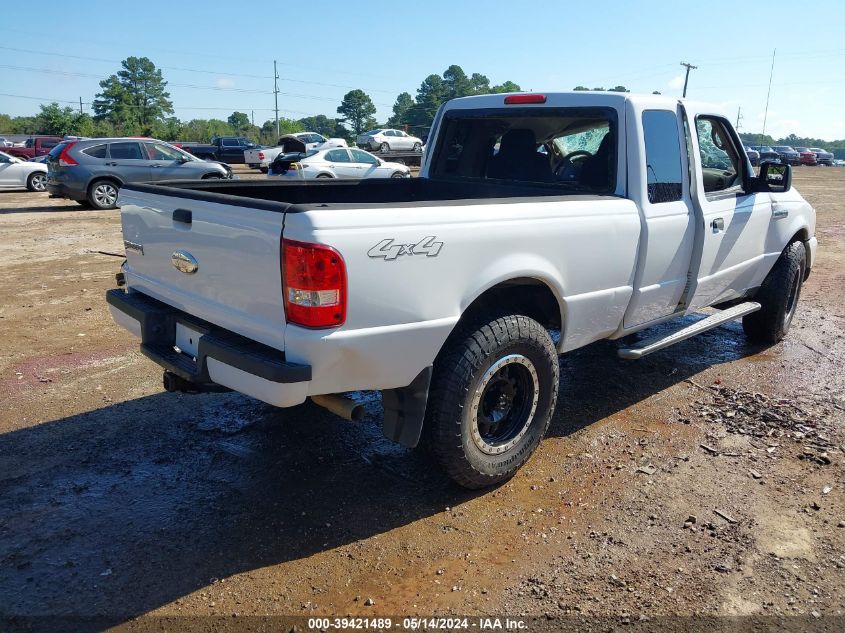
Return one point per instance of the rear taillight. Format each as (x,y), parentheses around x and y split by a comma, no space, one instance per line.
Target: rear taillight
(314,283)
(65,159)
(260,155)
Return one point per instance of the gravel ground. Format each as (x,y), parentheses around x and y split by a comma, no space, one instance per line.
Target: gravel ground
(706,479)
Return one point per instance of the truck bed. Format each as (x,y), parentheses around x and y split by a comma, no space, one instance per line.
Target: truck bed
(297,197)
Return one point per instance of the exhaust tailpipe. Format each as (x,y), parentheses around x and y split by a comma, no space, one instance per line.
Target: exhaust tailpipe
(341,406)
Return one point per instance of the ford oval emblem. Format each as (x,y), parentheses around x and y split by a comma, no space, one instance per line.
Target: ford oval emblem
(184,262)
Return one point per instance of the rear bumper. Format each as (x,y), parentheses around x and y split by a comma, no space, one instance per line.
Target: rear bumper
(61,190)
(222,357)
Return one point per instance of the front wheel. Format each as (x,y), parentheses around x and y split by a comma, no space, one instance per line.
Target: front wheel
(778,296)
(492,396)
(37,181)
(417,147)
(398,174)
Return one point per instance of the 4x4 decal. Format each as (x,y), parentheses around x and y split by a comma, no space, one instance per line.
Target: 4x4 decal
(387,250)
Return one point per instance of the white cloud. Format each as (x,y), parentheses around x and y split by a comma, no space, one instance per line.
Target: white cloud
(676,82)
(225,83)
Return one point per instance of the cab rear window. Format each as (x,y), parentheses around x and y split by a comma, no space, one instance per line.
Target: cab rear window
(571,148)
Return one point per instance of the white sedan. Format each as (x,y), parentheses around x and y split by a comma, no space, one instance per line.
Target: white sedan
(337,162)
(17,174)
(389,140)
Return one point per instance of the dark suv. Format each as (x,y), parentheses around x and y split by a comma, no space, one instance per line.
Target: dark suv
(93,170)
(766,153)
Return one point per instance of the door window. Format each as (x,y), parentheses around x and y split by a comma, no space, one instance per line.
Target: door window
(126,151)
(157,151)
(721,167)
(360,156)
(337,156)
(663,156)
(230,142)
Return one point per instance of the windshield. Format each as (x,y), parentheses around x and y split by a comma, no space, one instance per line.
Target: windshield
(572,148)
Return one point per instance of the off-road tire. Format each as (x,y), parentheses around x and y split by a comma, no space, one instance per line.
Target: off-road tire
(778,296)
(467,360)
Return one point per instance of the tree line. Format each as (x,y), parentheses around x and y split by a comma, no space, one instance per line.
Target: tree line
(135,102)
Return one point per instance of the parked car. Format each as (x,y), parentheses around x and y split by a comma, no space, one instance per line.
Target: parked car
(787,154)
(766,153)
(753,156)
(17,174)
(807,156)
(336,162)
(261,158)
(4,142)
(823,157)
(385,140)
(454,293)
(34,146)
(227,149)
(93,171)
(40,159)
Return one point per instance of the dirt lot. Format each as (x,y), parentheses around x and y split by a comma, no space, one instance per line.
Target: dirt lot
(705,479)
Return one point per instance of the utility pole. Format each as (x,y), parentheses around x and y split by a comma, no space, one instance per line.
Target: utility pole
(252,117)
(276,95)
(738,118)
(80,105)
(686,78)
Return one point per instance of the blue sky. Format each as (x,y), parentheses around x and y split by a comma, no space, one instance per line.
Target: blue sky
(218,56)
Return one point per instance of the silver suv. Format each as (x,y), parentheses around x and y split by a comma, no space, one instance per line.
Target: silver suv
(92,171)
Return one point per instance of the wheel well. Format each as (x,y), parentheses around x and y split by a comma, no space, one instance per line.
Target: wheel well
(525,296)
(110,179)
(803,235)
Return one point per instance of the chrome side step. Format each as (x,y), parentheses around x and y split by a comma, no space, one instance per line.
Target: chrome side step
(715,320)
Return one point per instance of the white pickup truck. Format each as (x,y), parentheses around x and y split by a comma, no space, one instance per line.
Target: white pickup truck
(540,223)
(262,157)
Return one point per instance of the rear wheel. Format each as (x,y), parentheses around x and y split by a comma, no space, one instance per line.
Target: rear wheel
(323,176)
(778,296)
(384,147)
(492,396)
(212,177)
(102,194)
(37,181)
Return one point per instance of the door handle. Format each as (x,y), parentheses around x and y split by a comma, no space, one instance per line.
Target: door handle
(718,225)
(779,212)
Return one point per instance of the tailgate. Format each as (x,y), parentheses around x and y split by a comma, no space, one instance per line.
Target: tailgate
(251,156)
(237,282)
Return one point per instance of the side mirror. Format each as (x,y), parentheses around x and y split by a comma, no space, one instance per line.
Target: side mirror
(774,177)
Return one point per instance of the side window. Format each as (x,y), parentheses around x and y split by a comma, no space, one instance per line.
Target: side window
(157,151)
(720,164)
(230,142)
(363,157)
(96,151)
(663,156)
(337,156)
(390,133)
(126,151)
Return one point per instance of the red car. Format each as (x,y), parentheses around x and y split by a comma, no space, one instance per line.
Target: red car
(807,157)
